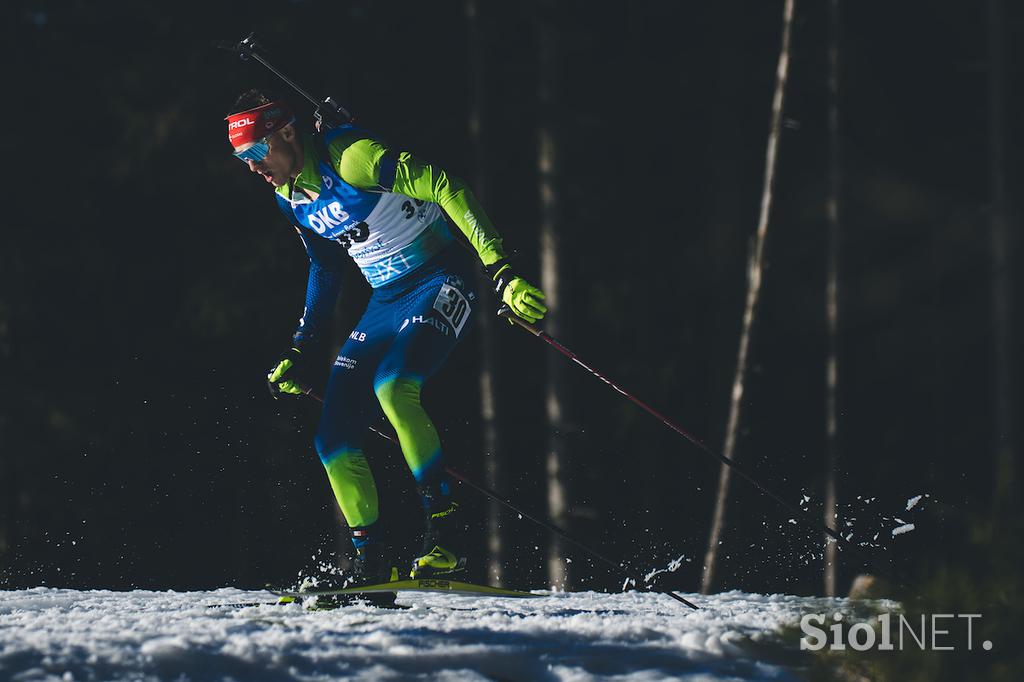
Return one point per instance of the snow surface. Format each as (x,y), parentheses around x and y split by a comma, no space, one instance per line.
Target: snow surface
(54,634)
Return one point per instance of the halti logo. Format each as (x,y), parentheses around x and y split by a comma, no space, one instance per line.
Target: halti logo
(332,216)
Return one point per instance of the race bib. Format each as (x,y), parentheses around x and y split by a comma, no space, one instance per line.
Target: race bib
(453,307)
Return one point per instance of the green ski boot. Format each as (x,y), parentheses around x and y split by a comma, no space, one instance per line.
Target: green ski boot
(443,540)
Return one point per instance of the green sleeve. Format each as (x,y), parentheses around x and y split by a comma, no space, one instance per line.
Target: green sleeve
(358,163)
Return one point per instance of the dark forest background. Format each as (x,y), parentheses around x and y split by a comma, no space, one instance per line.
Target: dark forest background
(148,283)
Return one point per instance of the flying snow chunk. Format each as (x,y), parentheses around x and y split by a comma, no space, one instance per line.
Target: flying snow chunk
(905,528)
(672,567)
(912,501)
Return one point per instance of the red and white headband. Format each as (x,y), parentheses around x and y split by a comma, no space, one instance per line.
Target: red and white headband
(248,127)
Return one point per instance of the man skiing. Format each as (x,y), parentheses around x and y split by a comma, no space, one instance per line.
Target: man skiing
(345,190)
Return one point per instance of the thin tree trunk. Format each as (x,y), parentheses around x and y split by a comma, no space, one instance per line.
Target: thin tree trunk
(548,174)
(1003,368)
(754,277)
(485,317)
(832,304)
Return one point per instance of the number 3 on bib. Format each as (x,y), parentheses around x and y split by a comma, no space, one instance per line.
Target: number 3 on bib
(453,307)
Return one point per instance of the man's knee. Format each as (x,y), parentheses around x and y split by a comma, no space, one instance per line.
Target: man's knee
(329,444)
(398,394)
(342,427)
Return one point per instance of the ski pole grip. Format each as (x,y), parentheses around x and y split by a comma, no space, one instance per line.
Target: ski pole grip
(506,312)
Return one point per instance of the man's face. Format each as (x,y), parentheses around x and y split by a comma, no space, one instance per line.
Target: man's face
(282,162)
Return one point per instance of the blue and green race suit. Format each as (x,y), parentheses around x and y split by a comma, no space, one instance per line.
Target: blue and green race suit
(354,196)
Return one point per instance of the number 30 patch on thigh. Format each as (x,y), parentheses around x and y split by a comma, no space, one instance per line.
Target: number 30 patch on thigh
(453,306)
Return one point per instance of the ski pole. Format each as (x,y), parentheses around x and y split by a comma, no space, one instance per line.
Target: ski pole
(619,566)
(487,492)
(507,313)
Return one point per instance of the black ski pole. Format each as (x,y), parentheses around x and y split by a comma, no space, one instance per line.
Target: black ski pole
(507,313)
(487,492)
(619,566)
(329,114)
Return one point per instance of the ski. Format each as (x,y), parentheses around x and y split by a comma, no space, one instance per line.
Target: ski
(288,600)
(412,585)
(245,604)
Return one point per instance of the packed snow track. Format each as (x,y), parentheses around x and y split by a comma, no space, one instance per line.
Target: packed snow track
(53,634)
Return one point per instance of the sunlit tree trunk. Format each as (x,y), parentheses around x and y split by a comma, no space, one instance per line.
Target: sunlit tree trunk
(485,316)
(754,276)
(1003,365)
(831,507)
(549,179)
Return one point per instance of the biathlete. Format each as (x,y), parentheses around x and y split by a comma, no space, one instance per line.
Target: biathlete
(347,192)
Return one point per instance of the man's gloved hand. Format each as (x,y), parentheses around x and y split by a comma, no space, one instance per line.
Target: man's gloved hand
(290,374)
(523,298)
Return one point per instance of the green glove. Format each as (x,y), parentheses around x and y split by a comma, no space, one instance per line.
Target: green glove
(284,376)
(522,297)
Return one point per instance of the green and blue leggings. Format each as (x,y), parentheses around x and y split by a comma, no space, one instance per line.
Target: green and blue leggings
(406,333)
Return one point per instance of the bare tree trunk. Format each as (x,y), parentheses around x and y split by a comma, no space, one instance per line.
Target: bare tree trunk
(754,277)
(1003,368)
(485,318)
(548,173)
(832,304)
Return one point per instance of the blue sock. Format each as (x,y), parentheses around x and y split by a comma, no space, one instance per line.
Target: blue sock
(362,536)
